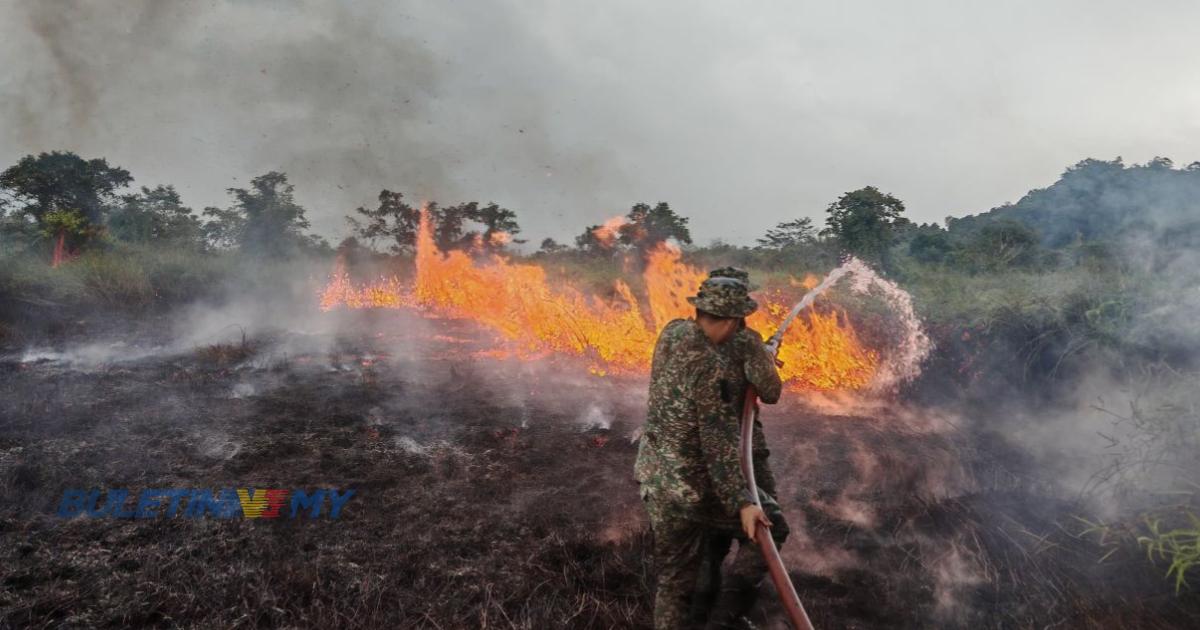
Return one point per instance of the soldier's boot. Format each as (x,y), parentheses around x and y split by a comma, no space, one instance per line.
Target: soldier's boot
(708,586)
(735,602)
(703,602)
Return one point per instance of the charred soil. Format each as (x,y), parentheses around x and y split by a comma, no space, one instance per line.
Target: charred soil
(494,493)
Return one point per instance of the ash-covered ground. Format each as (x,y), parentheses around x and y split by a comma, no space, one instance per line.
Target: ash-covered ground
(493,493)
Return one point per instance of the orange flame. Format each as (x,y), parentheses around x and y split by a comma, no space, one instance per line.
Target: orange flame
(822,352)
(808,282)
(607,233)
(669,282)
(383,293)
(59,250)
(518,302)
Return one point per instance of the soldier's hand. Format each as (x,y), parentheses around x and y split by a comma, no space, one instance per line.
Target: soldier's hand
(752,516)
(773,345)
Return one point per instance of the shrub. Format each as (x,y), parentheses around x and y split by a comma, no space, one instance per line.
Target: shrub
(113,280)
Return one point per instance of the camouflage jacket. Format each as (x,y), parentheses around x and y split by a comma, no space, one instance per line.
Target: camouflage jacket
(748,362)
(688,456)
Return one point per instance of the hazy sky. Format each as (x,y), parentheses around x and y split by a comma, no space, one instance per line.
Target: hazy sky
(741,115)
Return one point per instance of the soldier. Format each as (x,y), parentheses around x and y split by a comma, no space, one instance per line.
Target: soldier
(687,465)
(757,368)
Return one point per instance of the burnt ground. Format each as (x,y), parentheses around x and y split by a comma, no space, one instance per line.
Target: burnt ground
(496,493)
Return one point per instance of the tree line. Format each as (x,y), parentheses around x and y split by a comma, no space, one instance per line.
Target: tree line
(61,199)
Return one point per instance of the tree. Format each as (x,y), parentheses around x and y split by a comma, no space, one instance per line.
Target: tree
(18,231)
(63,224)
(1100,200)
(643,229)
(930,246)
(496,226)
(646,227)
(789,234)
(66,196)
(551,246)
(352,252)
(500,224)
(264,221)
(1161,163)
(392,219)
(483,227)
(863,223)
(156,215)
(448,224)
(225,227)
(1002,245)
(597,239)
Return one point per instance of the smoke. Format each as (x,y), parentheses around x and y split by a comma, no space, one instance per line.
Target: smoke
(306,93)
(595,416)
(216,445)
(91,354)
(875,475)
(266,314)
(1116,335)
(50,27)
(566,124)
(347,99)
(567,113)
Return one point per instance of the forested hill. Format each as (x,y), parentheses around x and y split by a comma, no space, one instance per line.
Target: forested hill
(1098,200)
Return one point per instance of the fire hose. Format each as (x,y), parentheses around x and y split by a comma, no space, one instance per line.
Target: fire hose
(766,544)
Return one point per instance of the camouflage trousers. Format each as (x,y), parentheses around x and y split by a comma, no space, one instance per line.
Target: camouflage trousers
(688,552)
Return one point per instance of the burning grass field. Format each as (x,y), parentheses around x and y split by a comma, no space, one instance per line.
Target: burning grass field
(486,416)
(494,493)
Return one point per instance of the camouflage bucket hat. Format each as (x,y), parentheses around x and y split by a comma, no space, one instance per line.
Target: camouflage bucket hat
(724,296)
(733,272)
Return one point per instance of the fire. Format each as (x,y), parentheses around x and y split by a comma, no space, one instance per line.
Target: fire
(668,284)
(537,317)
(808,282)
(59,250)
(606,233)
(823,352)
(518,302)
(383,293)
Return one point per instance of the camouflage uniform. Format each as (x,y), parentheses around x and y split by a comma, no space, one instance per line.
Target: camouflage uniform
(722,601)
(752,365)
(688,464)
(757,367)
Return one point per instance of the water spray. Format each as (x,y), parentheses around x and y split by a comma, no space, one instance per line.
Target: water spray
(913,349)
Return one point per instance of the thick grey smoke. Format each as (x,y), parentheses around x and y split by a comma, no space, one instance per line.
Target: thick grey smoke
(217,93)
(347,99)
(569,113)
